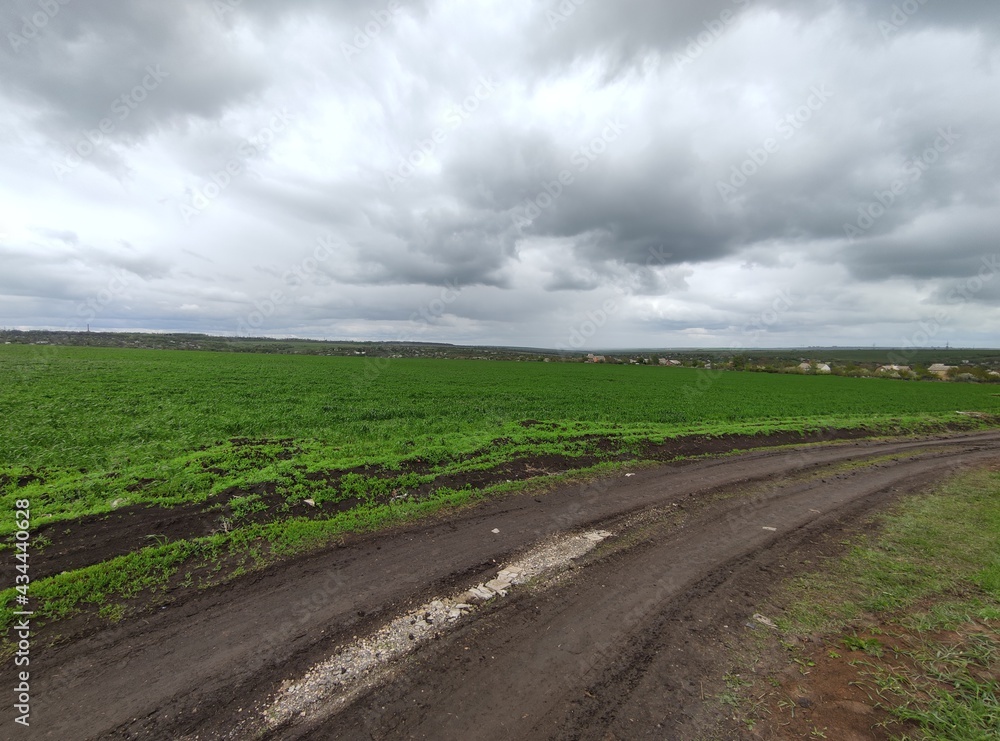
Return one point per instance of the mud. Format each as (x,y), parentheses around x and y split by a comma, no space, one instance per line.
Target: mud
(94,539)
(626,645)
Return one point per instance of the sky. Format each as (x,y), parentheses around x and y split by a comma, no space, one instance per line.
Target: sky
(568,174)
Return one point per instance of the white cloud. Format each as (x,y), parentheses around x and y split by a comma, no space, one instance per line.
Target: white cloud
(265,137)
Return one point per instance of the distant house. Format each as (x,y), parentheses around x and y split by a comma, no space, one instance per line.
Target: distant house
(805,367)
(823,368)
(895,369)
(940,369)
(669,362)
(591,358)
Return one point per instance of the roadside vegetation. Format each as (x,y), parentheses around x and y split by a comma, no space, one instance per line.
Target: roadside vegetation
(900,638)
(270,455)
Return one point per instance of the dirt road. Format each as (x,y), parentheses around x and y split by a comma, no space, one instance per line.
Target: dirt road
(623,645)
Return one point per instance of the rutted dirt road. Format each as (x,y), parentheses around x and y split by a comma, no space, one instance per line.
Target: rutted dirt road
(624,645)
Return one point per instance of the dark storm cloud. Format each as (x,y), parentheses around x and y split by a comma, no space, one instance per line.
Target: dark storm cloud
(545,154)
(953,248)
(138,64)
(437,247)
(623,32)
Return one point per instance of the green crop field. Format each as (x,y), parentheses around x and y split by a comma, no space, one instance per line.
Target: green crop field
(90,432)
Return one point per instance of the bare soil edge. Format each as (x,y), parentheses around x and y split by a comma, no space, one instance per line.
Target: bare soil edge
(95,539)
(664,683)
(192,669)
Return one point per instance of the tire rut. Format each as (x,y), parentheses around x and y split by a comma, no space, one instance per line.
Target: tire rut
(563,663)
(200,665)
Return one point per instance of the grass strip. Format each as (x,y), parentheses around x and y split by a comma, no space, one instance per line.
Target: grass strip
(917,608)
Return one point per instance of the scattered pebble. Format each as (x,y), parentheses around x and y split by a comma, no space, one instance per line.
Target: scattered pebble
(765,621)
(363,663)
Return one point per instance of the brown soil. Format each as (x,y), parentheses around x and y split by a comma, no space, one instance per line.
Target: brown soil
(830,697)
(838,693)
(631,644)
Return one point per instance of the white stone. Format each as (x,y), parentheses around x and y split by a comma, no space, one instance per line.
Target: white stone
(480,594)
(498,585)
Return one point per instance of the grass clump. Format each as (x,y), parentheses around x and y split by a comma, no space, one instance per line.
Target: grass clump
(917,608)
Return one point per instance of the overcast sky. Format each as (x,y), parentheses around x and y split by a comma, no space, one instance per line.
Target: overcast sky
(585,173)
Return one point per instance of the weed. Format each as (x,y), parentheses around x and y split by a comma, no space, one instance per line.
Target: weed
(868,645)
(244,506)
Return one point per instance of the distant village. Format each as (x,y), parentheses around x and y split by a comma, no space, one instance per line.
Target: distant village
(934,372)
(977,367)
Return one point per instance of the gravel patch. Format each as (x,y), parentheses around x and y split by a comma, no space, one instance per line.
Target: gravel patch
(332,684)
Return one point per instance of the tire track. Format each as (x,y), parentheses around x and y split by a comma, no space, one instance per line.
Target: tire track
(604,651)
(200,666)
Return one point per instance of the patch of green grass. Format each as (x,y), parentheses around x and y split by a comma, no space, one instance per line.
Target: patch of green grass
(869,645)
(244,506)
(948,690)
(927,582)
(106,587)
(940,544)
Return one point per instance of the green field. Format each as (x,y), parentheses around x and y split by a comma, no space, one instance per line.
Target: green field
(145,415)
(89,431)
